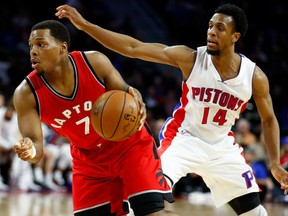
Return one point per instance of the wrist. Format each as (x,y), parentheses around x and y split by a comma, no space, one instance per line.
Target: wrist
(275,164)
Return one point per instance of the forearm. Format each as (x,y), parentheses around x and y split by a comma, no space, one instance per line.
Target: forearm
(272,140)
(117,42)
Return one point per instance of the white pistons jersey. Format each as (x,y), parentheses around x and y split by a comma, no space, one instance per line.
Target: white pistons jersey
(209,106)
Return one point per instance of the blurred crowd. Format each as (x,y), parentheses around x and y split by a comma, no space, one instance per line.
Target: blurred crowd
(181,22)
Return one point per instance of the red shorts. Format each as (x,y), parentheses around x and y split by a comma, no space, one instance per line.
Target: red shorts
(105,177)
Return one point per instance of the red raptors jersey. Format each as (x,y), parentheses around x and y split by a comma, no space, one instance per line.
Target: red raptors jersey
(70,115)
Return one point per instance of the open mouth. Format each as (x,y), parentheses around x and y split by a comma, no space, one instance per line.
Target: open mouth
(211,43)
(34,63)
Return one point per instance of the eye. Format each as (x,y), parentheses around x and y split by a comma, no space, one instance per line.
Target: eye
(40,44)
(220,28)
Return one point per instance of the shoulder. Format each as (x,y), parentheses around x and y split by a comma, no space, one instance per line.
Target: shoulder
(180,52)
(95,56)
(182,57)
(22,93)
(100,63)
(22,89)
(259,75)
(260,82)
(201,49)
(201,52)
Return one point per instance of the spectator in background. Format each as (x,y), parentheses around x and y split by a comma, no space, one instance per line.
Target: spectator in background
(63,169)
(284,152)
(9,134)
(243,134)
(44,169)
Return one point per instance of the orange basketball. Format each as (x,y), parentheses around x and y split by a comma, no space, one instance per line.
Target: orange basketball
(115,115)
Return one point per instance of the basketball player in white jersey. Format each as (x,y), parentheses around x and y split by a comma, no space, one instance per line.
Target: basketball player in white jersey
(217,84)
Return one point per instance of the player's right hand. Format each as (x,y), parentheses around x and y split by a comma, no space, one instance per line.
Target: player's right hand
(24,149)
(142,107)
(66,11)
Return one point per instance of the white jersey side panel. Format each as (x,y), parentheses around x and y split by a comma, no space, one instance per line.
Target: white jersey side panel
(209,106)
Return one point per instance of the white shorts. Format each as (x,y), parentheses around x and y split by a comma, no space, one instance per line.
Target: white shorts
(222,166)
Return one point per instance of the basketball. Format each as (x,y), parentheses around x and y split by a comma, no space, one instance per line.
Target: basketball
(115,115)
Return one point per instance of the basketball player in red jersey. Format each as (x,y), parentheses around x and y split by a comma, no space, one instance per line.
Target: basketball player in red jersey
(217,84)
(60,92)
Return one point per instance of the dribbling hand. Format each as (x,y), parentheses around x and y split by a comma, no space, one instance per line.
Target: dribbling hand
(142,107)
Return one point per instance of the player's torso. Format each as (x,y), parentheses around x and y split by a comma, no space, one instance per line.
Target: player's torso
(70,115)
(209,105)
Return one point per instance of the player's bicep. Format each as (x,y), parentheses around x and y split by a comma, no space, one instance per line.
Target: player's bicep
(107,72)
(261,95)
(176,56)
(27,116)
(153,52)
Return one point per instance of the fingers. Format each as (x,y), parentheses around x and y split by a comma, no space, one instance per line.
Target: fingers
(19,146)
(284,184)
(142,107)
(143,115)
(62,7)
(66,11)
(23,148)
(285,188)
(62,11)
(136,97)
(132,92)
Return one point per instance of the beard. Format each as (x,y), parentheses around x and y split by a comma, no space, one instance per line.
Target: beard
(213,52)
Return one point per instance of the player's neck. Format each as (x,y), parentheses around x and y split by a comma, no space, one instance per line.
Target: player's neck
(227,66)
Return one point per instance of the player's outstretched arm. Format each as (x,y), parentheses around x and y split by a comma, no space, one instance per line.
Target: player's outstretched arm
(126,45)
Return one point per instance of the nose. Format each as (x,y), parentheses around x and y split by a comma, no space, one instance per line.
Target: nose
(32,50)
(211,31)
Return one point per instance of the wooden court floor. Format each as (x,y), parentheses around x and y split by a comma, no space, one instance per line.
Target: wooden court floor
(60,204)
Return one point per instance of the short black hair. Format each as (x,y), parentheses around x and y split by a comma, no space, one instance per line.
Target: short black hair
(57,30)
(238,15)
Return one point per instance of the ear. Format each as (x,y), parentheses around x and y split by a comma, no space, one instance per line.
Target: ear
(64,47)
(235,37)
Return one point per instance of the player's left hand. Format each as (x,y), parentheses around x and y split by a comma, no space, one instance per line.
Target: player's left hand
(142,107)
(281,175)
(284,183)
